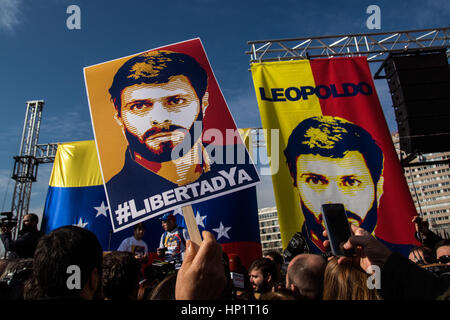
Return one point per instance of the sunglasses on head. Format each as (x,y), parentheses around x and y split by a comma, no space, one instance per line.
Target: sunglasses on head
(444,259)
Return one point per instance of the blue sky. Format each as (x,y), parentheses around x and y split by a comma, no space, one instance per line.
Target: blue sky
(40,58)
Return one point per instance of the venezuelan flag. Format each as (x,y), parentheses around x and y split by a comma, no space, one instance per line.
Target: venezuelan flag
(76,195)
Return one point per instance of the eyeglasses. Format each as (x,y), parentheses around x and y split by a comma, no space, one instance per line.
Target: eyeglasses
(444,259)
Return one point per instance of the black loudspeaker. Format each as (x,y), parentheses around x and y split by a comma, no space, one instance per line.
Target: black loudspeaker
(419,82)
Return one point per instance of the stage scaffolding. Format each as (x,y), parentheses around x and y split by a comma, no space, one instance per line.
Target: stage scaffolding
(31,154)
(376,46)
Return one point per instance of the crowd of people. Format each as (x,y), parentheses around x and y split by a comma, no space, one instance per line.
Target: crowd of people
(69,264)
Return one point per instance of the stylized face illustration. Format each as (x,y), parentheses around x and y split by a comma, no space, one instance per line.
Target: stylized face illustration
(344,180)
(158,116)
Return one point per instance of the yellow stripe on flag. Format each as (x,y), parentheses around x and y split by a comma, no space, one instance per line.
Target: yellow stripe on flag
(76,165)
(272,78)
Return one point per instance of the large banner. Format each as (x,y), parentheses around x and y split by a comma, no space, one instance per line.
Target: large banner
(334,147)
(164,134)
(76,196)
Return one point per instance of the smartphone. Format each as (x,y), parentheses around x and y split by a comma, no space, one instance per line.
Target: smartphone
(338,228)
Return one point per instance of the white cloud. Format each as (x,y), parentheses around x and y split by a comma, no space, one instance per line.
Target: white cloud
(243,108)
(9,14)
(38,190)
(69,126)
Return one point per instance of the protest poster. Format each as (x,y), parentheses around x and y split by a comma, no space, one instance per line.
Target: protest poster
(164,135)
(334,147)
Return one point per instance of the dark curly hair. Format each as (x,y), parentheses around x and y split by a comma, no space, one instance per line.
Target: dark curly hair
(157,67)
(120,274)
(332,137)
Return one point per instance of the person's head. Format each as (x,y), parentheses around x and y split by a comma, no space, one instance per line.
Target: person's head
(3,265)
(30,222)
(332,160)
(275,257)
(139,231)
(421,255)
(168,222)
(346,282)
(305,276)
(235,263)
(68,255)
(262,273)
(12,281)
(158,95)
(165,290)
(120,276)
(442,250)
(278,259)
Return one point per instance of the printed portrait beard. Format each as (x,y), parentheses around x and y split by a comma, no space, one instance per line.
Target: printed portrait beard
(165,148)
(164,152)
(369,222)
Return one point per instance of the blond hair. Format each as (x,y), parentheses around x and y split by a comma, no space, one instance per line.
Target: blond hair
(346,282)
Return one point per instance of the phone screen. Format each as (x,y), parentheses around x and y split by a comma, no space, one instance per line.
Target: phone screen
(338,228)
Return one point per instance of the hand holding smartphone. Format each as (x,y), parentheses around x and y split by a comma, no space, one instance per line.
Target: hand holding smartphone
(338,228)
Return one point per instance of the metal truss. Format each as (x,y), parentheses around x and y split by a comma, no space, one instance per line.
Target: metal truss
(376,46)
(26,163)
(45,153)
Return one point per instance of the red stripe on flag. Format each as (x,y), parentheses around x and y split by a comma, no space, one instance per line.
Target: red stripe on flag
(247,251)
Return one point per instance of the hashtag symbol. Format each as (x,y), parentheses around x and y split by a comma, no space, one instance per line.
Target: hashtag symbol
(123,213)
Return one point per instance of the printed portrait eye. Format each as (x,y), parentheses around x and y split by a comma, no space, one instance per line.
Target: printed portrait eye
(175,100)
(350,181)
(138,106)
(316,179)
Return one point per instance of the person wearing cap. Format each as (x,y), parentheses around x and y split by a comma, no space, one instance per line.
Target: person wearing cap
(173,240)
(135,244)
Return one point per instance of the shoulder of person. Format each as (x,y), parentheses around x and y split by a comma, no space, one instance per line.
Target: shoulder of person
(127,240)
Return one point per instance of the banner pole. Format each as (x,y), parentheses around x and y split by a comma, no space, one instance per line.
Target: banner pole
(191,223)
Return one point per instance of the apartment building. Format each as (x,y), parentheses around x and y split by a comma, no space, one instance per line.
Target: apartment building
(269,230)
(430,188)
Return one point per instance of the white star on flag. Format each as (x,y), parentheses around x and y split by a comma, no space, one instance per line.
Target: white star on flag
(178,211)
(199,219)
(80,223)
(101,210)
(222,231)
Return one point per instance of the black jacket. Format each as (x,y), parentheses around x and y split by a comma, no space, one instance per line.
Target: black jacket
(402,279)
(25,245)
